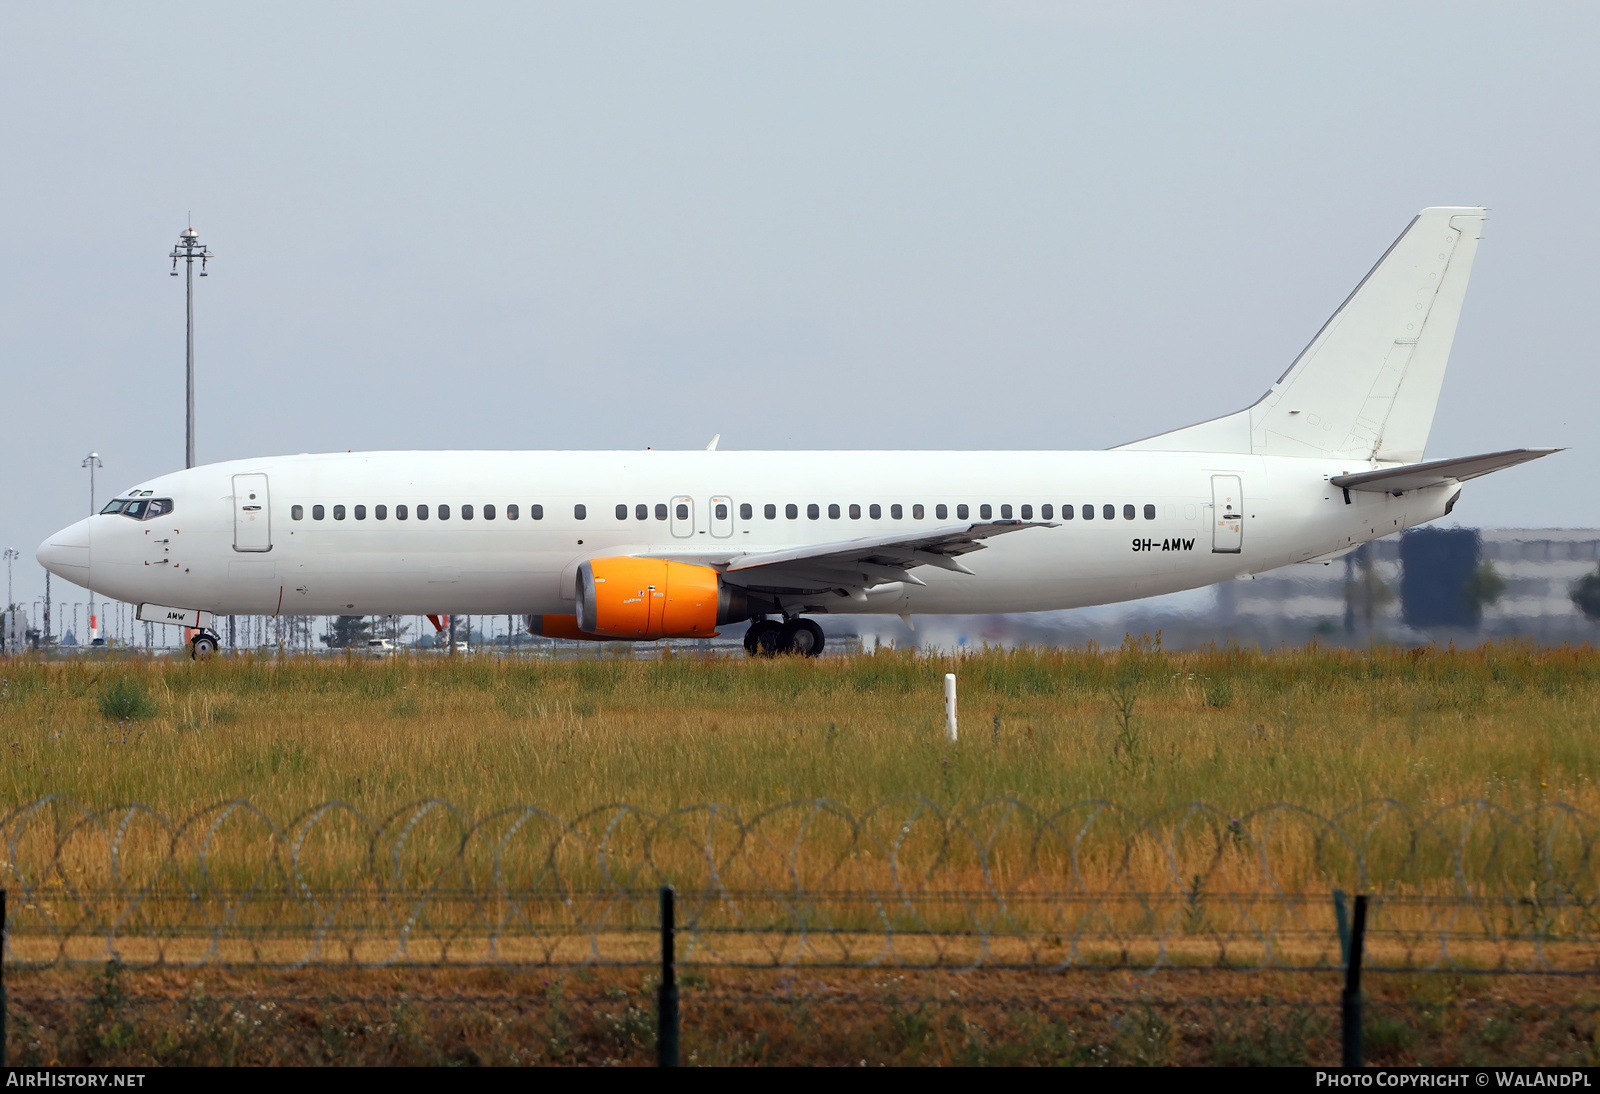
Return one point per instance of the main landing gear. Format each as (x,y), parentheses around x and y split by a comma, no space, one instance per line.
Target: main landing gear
(203,645)
(767,637)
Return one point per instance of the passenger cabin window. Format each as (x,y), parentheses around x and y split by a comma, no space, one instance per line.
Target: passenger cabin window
(1067,512)
(875,511)
(400,512)
(466,512)
(318,512)
(361,512)
(422,512)
(338,512)
(297,512)
(1109,512)
(661,510)
(896,512)
(681,512)
(381,512)
(770,511)
(536,512)
(641,512)
(444,512)
(579,512)
(1046,511)
(985,511)
(721,511)
(792,511)
(1127,512)
(512,512)
(1088,512)
(962,511)
(622,512)
(1005,512)
(488,512)
(941,511)
(916,512)
(745,512)
(1149,512)
(833,512)
(812,511)
(1027,512)
(855,511)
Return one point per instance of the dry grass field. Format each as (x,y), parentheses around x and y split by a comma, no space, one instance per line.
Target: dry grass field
(1509,729)
(1139,726)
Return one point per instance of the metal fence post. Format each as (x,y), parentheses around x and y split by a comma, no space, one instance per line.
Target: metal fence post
(1350,1002)
(1341,921)
(3,1058)
(667,994)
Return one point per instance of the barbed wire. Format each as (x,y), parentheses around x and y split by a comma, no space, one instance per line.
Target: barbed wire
(907,882)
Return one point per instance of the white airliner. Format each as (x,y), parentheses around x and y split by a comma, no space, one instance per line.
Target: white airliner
(647,545)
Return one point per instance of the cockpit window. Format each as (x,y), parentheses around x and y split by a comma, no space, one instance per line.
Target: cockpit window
(140,508)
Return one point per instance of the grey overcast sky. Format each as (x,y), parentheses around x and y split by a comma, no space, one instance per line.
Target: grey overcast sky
(809,225)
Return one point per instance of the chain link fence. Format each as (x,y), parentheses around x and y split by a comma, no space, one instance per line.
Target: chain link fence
(907,932)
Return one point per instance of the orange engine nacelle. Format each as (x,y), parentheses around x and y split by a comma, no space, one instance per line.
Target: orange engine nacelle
(649,598)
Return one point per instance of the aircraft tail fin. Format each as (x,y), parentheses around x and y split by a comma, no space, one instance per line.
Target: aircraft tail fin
(1366,386)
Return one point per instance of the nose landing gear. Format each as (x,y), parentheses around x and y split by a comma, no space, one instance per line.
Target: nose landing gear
(203,645)
(767,637)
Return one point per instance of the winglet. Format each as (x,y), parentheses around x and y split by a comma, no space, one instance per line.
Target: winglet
(712,447)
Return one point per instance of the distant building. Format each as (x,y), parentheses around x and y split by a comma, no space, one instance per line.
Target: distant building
(14,631)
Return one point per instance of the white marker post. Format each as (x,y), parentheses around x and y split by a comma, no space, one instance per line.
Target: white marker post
(950,707)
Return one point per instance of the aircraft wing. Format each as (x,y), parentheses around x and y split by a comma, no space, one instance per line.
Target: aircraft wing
(855,565)
(1417,476)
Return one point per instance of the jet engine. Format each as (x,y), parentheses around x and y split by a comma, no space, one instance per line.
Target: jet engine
(649,598)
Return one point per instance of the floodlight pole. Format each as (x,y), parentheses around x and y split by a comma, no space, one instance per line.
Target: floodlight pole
(91,461)
(189,248)
(11,555)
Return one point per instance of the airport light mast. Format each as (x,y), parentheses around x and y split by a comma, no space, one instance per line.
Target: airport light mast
(189,248)
(91,461)
(11,555)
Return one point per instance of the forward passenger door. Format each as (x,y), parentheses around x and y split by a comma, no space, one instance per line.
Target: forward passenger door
(252,515)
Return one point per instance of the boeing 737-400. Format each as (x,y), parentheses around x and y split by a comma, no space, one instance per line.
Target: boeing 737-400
(649,545)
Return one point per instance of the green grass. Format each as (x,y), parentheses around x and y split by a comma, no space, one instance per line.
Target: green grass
(1322,728)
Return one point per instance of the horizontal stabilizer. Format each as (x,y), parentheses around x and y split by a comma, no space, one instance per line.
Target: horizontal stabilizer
(1418,476)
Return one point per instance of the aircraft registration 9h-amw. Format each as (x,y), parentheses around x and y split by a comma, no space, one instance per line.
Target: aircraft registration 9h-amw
(648,545)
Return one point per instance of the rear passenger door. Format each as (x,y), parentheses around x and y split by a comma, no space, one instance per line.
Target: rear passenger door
(1227,514)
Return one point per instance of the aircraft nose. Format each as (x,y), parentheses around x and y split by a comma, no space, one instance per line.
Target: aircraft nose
(66,553)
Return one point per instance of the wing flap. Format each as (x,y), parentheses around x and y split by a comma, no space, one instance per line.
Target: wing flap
(868,561)
(1418,476)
